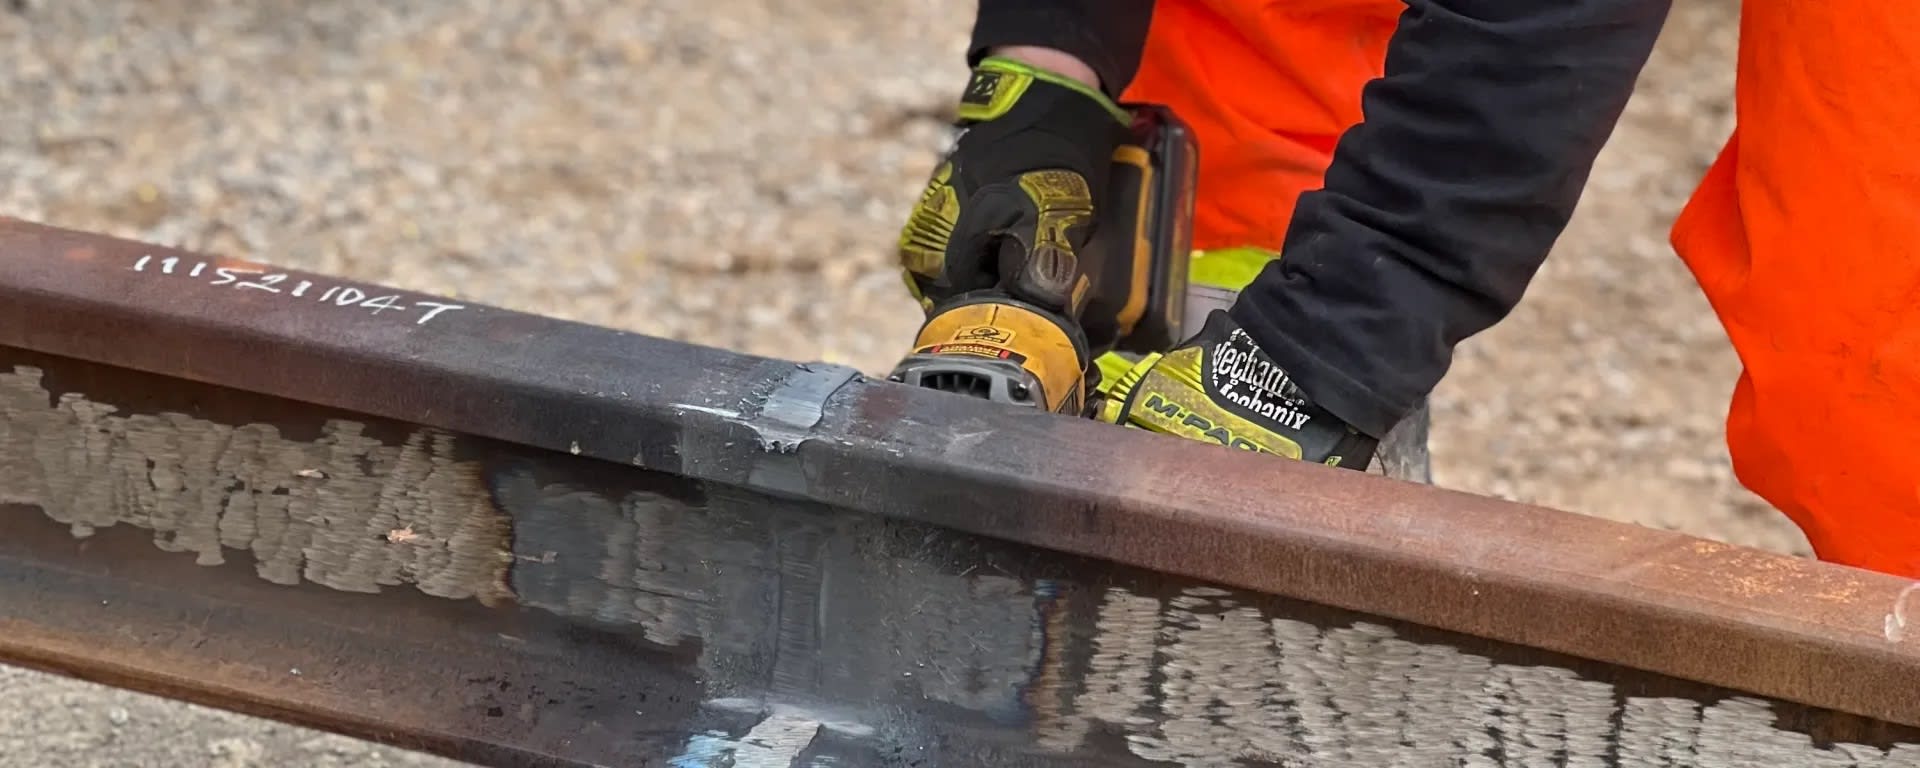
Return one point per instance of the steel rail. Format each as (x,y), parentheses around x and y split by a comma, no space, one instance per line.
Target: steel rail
(515,606)
(1778,627)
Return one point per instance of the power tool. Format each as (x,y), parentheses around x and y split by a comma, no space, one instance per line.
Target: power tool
(1131,294)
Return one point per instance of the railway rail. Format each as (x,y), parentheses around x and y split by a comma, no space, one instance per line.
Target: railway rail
(516,540)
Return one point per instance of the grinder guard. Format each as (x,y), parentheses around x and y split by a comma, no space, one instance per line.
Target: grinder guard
(991,345)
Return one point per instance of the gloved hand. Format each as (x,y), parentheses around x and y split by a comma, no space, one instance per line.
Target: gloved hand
(1218,386)
(1013,203)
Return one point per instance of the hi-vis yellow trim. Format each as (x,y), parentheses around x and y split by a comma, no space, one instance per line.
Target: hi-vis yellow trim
(1136,305)
(1015,334)
(999,82)
(1230,268)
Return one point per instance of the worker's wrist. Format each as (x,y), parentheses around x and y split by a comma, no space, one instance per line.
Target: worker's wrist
(1051,60)
(1001,81)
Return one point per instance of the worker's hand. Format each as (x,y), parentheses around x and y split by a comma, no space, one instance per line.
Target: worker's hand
(1219,387)
(1013,203)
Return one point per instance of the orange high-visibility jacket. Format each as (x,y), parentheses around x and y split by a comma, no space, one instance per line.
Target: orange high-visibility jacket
(1804,235)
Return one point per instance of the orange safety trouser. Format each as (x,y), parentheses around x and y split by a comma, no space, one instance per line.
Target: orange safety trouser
(1268,87)
(1805,235)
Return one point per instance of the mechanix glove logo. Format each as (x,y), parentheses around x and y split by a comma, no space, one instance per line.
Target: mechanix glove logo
(1241,375)
(981,88)
(1220,387)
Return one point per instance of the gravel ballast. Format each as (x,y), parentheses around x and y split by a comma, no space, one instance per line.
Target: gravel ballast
(734,172)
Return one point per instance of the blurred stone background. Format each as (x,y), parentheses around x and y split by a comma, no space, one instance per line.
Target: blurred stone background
(733,172)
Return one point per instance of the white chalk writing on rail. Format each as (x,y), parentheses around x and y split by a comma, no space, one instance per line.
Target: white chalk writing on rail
(241,278)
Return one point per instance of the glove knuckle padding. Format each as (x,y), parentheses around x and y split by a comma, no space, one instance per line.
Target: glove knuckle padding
(930,226)
(1014,203)
(1061,213)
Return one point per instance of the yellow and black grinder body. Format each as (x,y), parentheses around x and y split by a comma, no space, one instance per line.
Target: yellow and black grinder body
(1128,289)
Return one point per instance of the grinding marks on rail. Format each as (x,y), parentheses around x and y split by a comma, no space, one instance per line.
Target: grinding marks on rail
(345,511)
(1235,684)
(797,604)
(640,560)
(1116,686)
(753,593)
(785,604)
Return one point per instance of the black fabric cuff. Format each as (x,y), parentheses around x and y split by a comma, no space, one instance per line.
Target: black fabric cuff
(1441,205)
(1349,399)
(1109,36)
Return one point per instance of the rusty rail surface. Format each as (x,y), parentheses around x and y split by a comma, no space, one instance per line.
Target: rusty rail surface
(434,508)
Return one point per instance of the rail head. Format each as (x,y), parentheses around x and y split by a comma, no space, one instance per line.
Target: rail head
(1783,627)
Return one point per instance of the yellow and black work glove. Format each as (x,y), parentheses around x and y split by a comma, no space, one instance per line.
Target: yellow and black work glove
(1219,387)
(1013,203)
